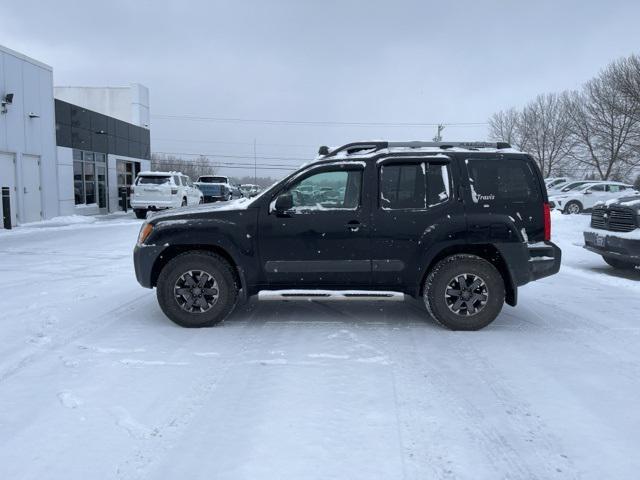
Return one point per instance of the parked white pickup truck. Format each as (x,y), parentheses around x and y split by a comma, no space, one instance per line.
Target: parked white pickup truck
(161,190)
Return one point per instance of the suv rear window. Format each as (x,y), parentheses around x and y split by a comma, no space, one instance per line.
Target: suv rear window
(413,186)
(213,180)
(508,180)
(154,180)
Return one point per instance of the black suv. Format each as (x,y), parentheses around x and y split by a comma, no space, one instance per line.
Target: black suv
(615,232)
(461,225)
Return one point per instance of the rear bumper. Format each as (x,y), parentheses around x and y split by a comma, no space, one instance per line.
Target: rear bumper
(212,198)
(544,260)
(608,244)
(144,258)
(154,205)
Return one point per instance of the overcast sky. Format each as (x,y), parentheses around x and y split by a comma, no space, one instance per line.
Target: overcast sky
(323,61)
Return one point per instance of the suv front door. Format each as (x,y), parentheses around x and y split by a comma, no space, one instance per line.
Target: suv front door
(323,239)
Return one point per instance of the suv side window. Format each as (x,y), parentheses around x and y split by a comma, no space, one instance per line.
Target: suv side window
(615,188)
(413,186)
(328,190)
(176,180)
(503,180)
(597,188)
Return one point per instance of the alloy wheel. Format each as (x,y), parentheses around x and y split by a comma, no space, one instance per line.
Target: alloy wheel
(196,291)
(466,294)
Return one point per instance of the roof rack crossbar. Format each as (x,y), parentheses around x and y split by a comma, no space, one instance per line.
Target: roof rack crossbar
(353,147)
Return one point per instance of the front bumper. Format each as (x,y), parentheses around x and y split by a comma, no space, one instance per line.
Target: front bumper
(608,244)
(144,258)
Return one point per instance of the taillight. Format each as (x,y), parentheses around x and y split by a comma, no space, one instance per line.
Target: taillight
(174,191)
(546,211)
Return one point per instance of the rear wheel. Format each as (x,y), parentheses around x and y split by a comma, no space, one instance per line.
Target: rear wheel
(197,289)
(464,292)
(615,263)
(141,213)
(573,208)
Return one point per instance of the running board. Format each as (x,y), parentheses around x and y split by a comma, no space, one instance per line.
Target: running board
(330,295)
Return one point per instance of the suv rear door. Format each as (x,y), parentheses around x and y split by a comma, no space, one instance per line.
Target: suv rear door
(505,192)
(415,209)
(324,239)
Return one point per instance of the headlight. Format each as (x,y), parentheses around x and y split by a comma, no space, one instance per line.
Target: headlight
(145,231)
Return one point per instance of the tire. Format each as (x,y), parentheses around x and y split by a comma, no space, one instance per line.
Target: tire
(201,201)
(620,264)
(141,213)
(573,208)
(220,275)
(184,202)
(486,300)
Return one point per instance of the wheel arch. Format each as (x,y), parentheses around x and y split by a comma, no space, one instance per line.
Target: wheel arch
(173,251)
(487,252)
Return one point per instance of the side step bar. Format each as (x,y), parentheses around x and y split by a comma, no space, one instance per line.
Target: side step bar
(330,295)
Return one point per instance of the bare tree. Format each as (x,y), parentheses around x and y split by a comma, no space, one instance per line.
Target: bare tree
(193,167)
(504,126)
(626,74)
(605,125)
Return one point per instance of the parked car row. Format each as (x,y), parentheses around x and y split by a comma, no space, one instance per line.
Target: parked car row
(154,191)
(576,197)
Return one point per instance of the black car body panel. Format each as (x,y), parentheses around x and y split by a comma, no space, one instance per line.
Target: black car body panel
(371,241)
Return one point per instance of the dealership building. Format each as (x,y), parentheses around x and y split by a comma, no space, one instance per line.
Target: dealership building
(66,150)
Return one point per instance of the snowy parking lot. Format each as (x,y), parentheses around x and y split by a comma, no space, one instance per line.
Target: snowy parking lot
(95,382)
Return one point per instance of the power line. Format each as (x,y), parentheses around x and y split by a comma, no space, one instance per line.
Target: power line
(247,157)
(205,118)
(186,140)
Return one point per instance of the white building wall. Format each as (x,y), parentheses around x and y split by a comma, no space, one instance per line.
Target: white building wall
(129,104)
(28,129)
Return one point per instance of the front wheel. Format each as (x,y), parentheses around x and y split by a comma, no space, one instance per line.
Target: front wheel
(197,289)
(573,208)
(464,292)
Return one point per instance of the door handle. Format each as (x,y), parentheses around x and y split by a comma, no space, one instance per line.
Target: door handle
(353,225)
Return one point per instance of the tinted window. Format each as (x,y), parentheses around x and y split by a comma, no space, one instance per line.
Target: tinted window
(333,189)
(403,186)
(509,180)
(596,188)
(153,180)
(213,179)
(615,188)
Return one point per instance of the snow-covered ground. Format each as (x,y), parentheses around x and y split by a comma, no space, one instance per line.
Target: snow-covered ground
(96,383)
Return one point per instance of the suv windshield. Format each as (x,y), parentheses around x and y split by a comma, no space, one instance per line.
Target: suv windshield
(153,180)
(212,179)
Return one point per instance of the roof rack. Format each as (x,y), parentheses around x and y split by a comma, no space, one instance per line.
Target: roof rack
(355,147)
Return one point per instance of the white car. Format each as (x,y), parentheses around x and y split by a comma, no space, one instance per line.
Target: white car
(586,196)
(572,185)
(553,183)
(162,190)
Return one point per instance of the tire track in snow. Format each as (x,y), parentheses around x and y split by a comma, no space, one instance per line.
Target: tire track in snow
(143,458)
(79,331)
(505,460)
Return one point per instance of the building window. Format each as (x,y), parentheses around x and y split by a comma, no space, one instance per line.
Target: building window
(89,178)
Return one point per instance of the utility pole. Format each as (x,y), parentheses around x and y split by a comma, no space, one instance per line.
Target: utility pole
(255,164)
(438,137)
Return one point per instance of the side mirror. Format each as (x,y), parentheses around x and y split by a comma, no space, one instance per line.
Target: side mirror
(284,202)
(588,192)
